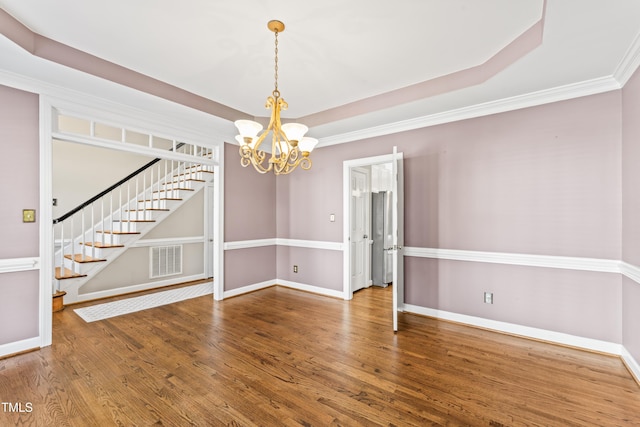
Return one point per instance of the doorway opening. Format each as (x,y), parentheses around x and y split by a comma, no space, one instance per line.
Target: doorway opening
(373,226)
(97,129)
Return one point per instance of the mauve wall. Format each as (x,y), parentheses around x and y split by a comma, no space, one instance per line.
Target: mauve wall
(631,212)
(19,174)
(250,214)
(543,180)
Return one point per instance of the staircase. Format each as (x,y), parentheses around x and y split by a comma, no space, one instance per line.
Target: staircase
(103,228)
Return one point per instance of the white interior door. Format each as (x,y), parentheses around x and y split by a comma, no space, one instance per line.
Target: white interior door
(398,234)
(360,209)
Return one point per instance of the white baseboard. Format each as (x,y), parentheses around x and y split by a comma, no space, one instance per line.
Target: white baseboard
(287,284)
(632,364)
(249,288)
(19,346)
(136,288)
(310,288)
(524,331)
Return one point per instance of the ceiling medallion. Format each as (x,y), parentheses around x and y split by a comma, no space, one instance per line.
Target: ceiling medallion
(289,147)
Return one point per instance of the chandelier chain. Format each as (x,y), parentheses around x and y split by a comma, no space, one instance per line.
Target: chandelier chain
(276,92)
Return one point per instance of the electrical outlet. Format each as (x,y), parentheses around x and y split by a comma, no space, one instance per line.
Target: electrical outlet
(295,268)
(488,297)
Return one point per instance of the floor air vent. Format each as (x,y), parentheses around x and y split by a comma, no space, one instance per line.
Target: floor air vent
(166,261)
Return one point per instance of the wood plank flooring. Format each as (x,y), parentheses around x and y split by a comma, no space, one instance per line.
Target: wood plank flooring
(279,357)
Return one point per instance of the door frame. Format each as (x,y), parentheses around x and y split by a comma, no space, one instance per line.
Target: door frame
(347,165)
(112,113)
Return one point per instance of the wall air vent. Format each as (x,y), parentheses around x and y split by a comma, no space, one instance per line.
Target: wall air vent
(166,261)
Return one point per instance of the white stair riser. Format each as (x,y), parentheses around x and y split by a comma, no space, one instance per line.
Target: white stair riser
(141,215)
(81,268)
(168,194)
(157,204)
(112,239)
(202,176)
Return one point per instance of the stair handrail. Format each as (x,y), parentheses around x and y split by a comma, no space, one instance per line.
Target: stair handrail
(111,188)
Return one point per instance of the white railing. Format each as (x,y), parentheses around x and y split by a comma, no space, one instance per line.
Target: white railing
(106,220)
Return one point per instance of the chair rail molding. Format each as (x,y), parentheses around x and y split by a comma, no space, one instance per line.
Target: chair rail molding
(276,241)
(13,265)
(528,260)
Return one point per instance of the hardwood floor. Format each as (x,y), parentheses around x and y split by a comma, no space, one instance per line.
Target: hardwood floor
(283,357)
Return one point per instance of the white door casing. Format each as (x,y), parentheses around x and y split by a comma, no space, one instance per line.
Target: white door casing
(209,227)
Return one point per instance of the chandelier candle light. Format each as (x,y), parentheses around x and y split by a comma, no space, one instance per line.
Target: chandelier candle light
(289,147)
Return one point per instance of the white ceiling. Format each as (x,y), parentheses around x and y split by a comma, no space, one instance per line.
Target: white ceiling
(334,52)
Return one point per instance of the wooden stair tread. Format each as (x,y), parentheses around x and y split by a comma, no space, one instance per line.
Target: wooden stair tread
(83,258)
(102,245)
(117,232)
(155,200)
(134,220)
(67,274)
(191,179)
(148,209)
(174,189)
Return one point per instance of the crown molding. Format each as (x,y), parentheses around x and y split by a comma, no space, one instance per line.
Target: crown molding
(629,64)
(145,111)
(547,96)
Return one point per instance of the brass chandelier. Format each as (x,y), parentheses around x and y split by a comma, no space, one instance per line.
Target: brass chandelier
(289,147)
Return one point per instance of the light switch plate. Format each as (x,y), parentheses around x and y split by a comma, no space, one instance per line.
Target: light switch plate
(28,215)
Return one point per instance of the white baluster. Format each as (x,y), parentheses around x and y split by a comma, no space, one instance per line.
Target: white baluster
(171,179)
(93,234)
(73,260)
(166,163)
(128,205)
(135,205)
(82,239)
(144,193)
(102,220)
(110,216)
(120,208)
(62,249)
